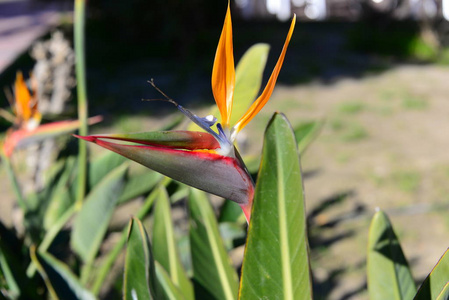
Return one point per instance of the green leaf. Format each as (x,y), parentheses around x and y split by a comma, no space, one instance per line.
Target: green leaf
(166,252)
(389,275)
(61,198)
(111,258)
(248,79)
(211,266)
(102,166)
(168,288)
(231,212)
(6,272)
(231,233)
(305,133)
(60,281)
(436,281)
(444,295)
(12,267)
(91,223)
(276,262)
(139,184)
(139,281)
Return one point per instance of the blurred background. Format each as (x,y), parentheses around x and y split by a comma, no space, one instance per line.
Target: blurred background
(374,71)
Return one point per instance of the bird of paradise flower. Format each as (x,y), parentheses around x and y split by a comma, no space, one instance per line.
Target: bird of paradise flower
(26,118)
(204,160)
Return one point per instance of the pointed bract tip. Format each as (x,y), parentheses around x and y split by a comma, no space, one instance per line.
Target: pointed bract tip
(86,138)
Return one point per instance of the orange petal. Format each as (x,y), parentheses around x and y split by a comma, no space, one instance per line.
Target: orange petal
(263,98)
(22,98)
(223,72)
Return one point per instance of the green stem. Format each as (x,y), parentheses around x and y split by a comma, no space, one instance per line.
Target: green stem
(80,7)
(113,254)
(14,182)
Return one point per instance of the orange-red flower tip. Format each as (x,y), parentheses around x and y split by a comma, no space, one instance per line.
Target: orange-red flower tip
(266,94)
(223,72)
(86,138)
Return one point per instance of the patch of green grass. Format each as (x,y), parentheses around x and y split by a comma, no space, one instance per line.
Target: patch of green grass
(343,158)
(384,110)
(349,131)
(337,124)
(406,180)
(414,103)
(354,132)
(443,58)
(351,108)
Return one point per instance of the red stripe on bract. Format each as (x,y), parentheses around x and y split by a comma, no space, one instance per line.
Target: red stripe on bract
(189,140)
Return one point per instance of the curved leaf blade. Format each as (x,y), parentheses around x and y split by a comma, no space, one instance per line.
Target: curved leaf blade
(166,251)
(436,280)
(306,132)
(60,281)
(91,223)
(139,281)
(168,288)
(102,166)
(276,263)
(389,275)
(139,184)
(444,295)
(211,265)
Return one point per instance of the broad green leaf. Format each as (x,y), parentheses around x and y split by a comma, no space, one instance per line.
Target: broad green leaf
(248,79)
(389,275)
(60,281)
(444,295)
(92,221)
(111,258)
(102,166)
(61,198)
(168,289)
(276,262)
(166,252)
(231,212)
(139,281)
(12,267)
(305,133)
(139,184)
(436,280)
(182,192)
(233,234)
(211,266)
